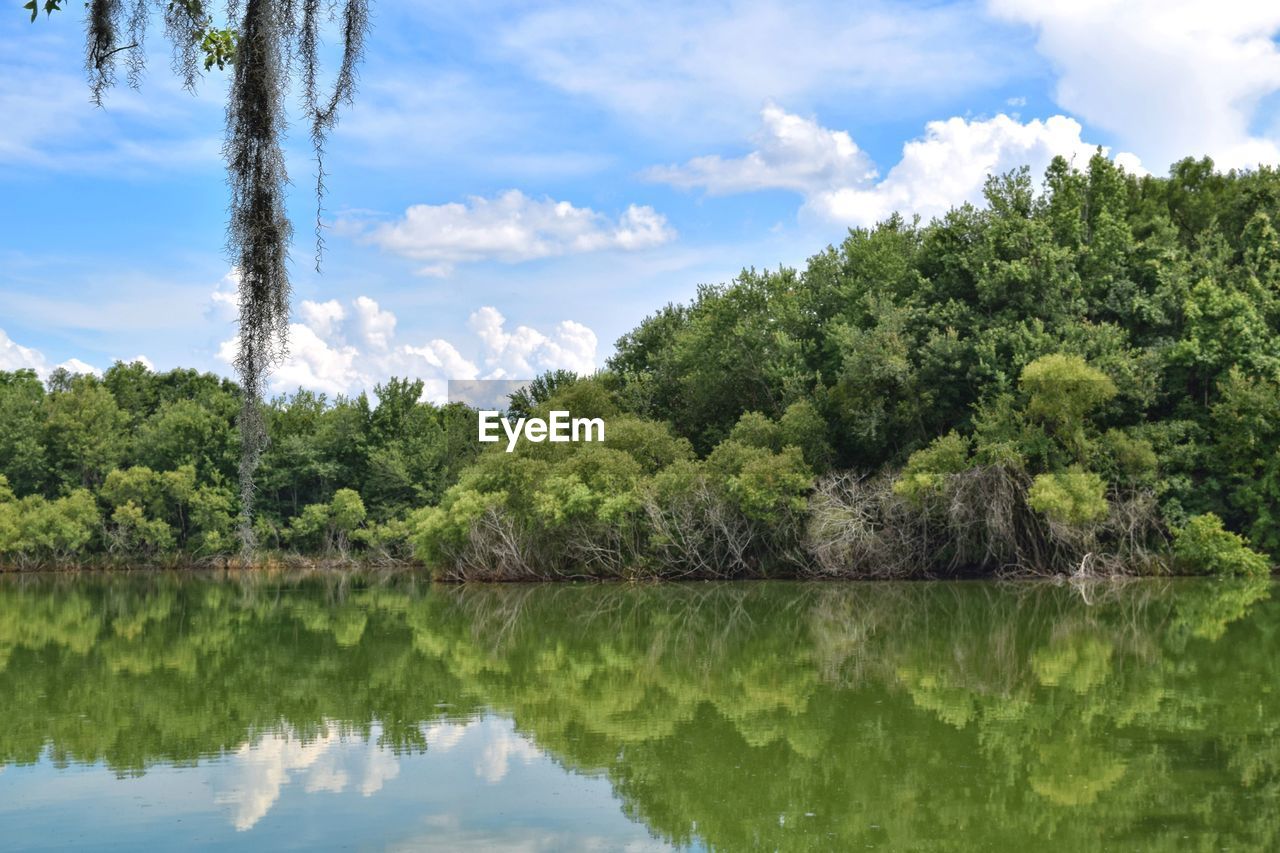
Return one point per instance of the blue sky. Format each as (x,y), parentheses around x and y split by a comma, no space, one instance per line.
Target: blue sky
(519,184)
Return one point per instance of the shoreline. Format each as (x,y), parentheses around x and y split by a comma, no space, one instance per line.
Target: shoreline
(290,564)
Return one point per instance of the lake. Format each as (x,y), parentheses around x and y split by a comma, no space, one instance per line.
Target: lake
(168,711)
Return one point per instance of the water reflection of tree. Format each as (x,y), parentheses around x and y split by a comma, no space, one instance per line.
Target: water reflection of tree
(768,715)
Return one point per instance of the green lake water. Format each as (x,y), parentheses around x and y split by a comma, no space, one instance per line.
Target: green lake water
(163,711)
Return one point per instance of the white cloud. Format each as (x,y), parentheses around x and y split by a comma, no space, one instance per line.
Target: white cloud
(946,167)
(75,365)
(791,153)
(510,227)
(140,359)
(14,356)
(335,350)
(316,363)
(376,327)
(524,352)
(324,318)
(950,165)
(695,68)
(444,358)
(224,302)
(1170,78)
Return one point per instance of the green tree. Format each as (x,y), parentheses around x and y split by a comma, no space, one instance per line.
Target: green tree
(22,450)
(84,432)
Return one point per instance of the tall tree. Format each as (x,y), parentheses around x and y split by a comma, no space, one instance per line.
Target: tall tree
(263,41)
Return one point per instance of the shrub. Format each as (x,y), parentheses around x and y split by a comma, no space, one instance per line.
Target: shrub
(54,530)
(1073,497)
(1064,388)
(755,430)
(9,534)
(1203,546)
(927,470)
(769,488)
(132,532)
(332,524)
(801,426)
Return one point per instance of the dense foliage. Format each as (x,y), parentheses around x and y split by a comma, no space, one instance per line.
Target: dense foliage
(141,466)
(725,717)
(1065,380)
(1078,378)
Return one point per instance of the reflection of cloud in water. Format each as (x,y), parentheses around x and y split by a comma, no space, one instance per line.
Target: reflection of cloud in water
(443,737)
(502,746)
(259,770)
(446,832)
(326,775)
(256,774)
(380,767)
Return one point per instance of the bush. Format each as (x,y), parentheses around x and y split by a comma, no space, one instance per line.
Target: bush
(1074,497)
(639,504)
(49,531)
(754,429)
(1064,388)
(1203,546)
(927,470)
(801,426)
(133,533)
(329,526)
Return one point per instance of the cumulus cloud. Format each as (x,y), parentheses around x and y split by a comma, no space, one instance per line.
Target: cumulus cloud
(140,359)
(75,365)
(947,166)
(1169,78)
(524,351)
(342,349)
(509,227)
(950,164)
(374,326)
(324,318)
(792,153)
(14,356)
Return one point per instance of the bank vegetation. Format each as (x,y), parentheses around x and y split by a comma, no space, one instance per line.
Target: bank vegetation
(1079,377)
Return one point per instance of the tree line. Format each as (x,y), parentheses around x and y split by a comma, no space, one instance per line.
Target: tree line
(1079,376)
(142,466)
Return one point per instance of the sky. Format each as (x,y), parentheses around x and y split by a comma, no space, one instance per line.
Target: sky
(519,184)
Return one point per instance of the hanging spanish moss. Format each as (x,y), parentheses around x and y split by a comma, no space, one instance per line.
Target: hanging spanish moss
(259,230)
(264,41)
(324,115)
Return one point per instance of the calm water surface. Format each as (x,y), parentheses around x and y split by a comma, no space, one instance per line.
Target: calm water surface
(169,712)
